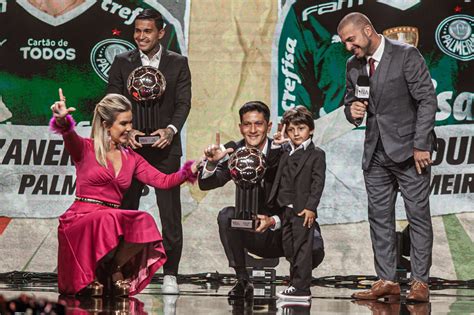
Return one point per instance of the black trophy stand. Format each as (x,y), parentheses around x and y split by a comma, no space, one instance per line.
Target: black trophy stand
(147,121)
(246,208)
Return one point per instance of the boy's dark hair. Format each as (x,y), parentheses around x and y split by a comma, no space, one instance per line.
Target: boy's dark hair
(298,115)
(258,106)
(151,14)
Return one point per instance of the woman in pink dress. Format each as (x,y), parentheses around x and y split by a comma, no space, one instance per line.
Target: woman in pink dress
(100,244)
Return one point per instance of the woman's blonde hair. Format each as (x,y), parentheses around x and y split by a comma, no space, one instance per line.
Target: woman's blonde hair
(105,113)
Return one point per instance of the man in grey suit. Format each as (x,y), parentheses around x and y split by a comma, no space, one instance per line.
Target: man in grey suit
(399,140)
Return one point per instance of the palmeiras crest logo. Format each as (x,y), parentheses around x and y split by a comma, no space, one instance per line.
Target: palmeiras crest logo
(104,52)
(455,38)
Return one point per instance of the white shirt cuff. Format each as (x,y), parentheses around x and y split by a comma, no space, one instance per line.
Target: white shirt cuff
(174,128)
(277,223)
(207,173)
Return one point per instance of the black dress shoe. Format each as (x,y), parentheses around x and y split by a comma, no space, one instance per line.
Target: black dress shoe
(242,289)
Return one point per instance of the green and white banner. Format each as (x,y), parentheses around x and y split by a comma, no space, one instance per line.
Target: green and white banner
(67,44)
(309,69)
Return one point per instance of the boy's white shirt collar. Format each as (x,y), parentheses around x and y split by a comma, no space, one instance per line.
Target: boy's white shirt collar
(303,146)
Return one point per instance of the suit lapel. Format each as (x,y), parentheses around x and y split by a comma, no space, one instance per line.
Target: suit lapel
(164,61)
(269,147)
(135,59)
(363,68)
(241,144)
(276,181)
(303,159)
(378,80)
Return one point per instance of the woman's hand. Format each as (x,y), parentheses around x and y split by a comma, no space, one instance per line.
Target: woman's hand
(59,109)
(195,166)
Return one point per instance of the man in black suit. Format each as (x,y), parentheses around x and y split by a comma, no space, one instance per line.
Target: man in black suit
(170,113)
(267,242)
(399,140)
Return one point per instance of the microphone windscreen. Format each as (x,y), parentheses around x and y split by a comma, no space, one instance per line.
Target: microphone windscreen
(363,80)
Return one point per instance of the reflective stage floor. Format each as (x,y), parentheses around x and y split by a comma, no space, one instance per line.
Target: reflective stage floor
(202,297)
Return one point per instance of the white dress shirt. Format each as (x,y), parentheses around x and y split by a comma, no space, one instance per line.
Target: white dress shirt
(377,56)
(155,62)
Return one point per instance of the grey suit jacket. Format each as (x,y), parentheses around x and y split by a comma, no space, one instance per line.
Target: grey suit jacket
(402,103)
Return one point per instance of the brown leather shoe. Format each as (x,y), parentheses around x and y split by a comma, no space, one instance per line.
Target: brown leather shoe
(419,292)
(380,289)
(419,309)
(380,308)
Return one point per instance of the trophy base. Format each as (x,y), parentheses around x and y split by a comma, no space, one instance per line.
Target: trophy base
(243,224)
(147,140)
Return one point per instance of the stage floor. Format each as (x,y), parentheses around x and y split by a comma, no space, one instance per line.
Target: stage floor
(208,298)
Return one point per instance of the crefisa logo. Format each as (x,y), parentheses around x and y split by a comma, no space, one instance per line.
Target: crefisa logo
(455,38)
(104,52)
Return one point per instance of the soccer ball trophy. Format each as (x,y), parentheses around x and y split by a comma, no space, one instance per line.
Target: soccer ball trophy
(146,85)
(247,167)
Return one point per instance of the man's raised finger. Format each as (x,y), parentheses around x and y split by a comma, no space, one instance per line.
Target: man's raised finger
(279,127)
(218,138)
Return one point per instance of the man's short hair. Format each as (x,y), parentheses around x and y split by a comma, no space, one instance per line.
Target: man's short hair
(151,14)
(298,115)
(355,18)
(258,106)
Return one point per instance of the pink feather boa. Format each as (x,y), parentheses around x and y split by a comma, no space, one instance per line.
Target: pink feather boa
(186,172)
(60,129)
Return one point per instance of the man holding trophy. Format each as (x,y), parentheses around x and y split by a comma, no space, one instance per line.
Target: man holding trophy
(158,119)
(262,238)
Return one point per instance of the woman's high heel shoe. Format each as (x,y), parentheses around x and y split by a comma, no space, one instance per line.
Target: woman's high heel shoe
(121,288)
(118,285)
(95,288)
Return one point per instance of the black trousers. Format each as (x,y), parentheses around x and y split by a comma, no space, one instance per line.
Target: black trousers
(169,206)
(302,247)
(268,244)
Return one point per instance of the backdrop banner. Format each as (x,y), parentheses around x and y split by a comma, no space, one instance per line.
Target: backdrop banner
(43,48)
(309,64)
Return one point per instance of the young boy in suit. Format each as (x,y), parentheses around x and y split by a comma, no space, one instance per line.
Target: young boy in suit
(297,188)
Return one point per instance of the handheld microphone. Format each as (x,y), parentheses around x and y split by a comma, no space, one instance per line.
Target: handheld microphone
(362,92)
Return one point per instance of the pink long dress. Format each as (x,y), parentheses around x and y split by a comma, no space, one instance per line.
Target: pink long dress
(88,232)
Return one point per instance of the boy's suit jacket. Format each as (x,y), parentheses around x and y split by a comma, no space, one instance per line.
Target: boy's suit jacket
(308,180)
